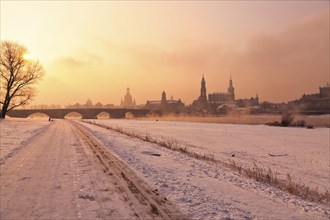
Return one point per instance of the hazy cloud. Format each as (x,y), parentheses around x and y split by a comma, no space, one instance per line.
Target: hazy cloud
(69,62)
(287,64)
(278,66)
(79,58)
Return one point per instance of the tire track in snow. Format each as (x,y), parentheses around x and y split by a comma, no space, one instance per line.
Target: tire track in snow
(128,183)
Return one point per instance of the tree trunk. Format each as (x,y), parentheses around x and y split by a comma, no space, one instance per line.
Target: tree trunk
(4,110)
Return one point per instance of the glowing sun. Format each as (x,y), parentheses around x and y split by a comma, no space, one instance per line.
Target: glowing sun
(26,56)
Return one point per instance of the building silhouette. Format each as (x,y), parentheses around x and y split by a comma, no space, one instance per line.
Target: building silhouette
(201,102)
(128,100)
(89,104)
(220,102)
(164,105)
(317,102)
(223,97)
(253,101)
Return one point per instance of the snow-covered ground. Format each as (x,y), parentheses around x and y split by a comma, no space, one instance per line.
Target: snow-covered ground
(15,133)
(201,189)
(206,190)
(302,153)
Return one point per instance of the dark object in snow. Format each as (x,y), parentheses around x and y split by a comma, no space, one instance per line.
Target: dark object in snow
(151,153)
(91,198)
(309,126)
(277,155)
(154,209)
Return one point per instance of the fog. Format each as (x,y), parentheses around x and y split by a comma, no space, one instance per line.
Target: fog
(278,66)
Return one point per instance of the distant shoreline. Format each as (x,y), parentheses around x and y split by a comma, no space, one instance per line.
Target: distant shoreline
(315,120)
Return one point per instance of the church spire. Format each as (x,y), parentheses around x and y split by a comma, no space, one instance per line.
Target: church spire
(164,100)
(231,89)
(230,81)
(203,89)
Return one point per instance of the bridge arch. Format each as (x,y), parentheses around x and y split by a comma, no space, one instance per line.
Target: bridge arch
(129,115)
(73,115)
(103,115)
(38,115)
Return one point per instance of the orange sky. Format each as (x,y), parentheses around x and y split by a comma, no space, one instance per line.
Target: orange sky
(278,49)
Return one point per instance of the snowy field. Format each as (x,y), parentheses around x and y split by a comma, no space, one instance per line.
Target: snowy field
(302,153)
(260,119)
(205,190)
(16,133)
(201,189)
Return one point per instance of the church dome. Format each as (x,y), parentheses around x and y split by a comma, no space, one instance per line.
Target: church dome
(128,98)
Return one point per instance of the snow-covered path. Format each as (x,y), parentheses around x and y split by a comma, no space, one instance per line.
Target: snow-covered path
(60,174)
(203,189)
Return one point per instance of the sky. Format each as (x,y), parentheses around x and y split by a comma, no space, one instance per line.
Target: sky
(96,49)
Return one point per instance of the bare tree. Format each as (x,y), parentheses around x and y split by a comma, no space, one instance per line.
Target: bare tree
(18,75)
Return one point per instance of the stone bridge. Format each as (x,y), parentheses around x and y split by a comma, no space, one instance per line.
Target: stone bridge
(86,113)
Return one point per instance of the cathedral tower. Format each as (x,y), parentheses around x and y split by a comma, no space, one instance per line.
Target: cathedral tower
(203,96)
(164,100)
(231,89)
